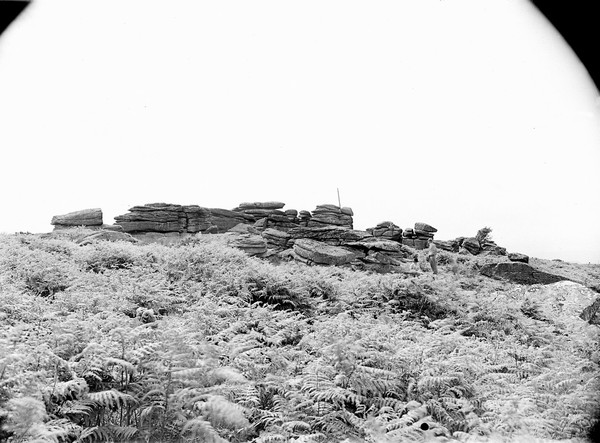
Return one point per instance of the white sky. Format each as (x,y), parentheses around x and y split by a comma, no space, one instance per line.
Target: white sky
(457,113)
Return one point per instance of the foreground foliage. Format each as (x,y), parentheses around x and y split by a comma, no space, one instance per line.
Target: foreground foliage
(198,342)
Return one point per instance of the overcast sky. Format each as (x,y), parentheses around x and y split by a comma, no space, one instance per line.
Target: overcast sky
(461,114)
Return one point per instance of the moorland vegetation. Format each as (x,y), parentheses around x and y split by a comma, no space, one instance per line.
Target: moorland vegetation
(197,341)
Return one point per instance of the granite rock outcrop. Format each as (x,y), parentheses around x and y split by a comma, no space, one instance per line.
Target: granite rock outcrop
(86,217)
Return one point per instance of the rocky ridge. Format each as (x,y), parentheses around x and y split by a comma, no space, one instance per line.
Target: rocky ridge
(324,236)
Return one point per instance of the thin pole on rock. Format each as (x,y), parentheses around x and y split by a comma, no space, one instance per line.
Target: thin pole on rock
(339,202)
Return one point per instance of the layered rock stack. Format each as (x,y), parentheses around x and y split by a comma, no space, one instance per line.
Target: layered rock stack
(165,217)
(472,246)
(419,236)
(270,215)
(304,217)
(91,218)
(331,215)
(386,230)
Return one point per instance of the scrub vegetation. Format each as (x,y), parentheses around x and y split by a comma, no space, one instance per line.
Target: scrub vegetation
(197,342)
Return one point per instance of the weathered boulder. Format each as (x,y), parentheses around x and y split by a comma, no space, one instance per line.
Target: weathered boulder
(243,228)
(104,235)
(331,215)
(165,217)
(85,217)
(489,247)
(334,235)
(225,219)
(304,217)
(276,238)
(424,227)
(572,307)
(249,243)
(386,229)
(447,245)
(259,205)
(517,256)
(377,245)
(591,313)
(322,253)
(519,272)
(472,245)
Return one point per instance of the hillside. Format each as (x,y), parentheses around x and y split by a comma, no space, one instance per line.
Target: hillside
(197,341)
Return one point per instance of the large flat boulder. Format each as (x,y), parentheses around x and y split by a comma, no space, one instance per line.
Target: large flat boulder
(519,272)
(322,253)
(85,217)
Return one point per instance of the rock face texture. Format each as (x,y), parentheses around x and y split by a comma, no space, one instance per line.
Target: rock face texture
(322,253)
(86,217)
(164,217)
(519,273)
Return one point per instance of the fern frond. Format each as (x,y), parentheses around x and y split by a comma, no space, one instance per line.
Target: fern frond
(93,434)
(201,429)
(111,398)
(297,426)
(127,366)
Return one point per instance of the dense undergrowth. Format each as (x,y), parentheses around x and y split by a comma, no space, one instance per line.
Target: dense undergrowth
(198,342)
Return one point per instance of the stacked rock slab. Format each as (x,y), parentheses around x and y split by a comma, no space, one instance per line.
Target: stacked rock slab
(386,230)
(447,245)
(304,217)
(332,235)
(276,239)
(270,215)
(331,215)
(419,236)
(251,244)
(86,217)
(165,217)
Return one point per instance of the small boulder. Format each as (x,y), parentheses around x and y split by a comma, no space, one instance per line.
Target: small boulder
(249,243)
(517,256)
(424,227)
(472,245)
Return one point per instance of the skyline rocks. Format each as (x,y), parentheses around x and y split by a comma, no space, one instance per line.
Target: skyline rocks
(322,236)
